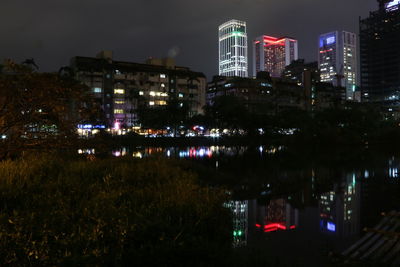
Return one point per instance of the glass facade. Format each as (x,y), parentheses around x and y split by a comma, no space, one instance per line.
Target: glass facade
(380,57)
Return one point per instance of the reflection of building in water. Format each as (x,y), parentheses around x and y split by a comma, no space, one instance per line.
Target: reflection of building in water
(393,171)
(340,210)
(240,221)
(277,215)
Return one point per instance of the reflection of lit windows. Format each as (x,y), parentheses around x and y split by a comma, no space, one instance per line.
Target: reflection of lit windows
(118,111)
(119,91)
(97,90)
(119,102)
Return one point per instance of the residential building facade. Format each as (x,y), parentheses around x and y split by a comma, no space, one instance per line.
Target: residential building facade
(120,87)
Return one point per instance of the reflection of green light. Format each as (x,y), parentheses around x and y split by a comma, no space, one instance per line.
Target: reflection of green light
(239,233)
(234,233)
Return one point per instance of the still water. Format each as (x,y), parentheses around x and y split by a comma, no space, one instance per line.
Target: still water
(298,206)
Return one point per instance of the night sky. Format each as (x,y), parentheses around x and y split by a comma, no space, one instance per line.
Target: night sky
(53,31)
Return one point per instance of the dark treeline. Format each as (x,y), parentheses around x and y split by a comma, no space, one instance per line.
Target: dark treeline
(351,123)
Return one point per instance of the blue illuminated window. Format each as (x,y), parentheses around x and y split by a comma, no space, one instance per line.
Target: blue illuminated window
(331,227)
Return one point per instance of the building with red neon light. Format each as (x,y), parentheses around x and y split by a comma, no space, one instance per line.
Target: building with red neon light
(273,54)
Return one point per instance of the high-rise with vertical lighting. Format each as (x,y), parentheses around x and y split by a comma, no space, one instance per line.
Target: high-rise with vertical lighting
(273,54)
(337,60)
(233,49)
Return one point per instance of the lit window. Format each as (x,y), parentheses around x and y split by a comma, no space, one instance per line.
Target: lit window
(162,76)
(141,93)
(151,103)
(119,102)
(119,91)
(161,102)
(118,111)
(180,95)
(162,85)
(97,90)
(152,93)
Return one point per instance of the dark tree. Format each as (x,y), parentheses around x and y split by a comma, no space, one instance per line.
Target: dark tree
(39,110)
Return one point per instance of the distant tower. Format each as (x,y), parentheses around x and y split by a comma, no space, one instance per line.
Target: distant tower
(233,49)
(273,54)
(337,60)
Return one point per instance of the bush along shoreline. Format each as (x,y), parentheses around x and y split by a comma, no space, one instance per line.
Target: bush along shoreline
(114,212)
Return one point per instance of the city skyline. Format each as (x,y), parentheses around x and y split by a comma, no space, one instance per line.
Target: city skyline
(76,28)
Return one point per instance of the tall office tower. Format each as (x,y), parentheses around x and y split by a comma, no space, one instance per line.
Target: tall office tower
(379,50)
(337,60)
(233,49)
(273,54)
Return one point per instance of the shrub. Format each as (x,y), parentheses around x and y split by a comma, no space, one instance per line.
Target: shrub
(108,212)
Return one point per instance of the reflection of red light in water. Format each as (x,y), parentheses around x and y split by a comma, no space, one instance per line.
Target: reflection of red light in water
(275,227)
(209,153)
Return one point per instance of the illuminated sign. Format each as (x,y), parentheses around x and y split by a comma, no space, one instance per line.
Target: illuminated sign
(331,227)
(330,40)
(90,126)
(327,40)
(393,5)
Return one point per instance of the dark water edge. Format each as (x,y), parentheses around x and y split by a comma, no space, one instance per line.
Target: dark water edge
(298,176)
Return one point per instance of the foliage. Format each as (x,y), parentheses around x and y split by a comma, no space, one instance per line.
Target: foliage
(174,114)
(38,110)
(227,112)
(107,212)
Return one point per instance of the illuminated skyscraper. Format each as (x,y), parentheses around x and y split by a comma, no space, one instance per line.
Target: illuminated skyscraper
(273,54)
(337,60)
(233,49)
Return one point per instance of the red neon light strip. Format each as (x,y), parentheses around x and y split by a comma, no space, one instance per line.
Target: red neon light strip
(293,227)
(325,51)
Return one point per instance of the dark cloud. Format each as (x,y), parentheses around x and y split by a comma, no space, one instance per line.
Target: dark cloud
(53,31)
